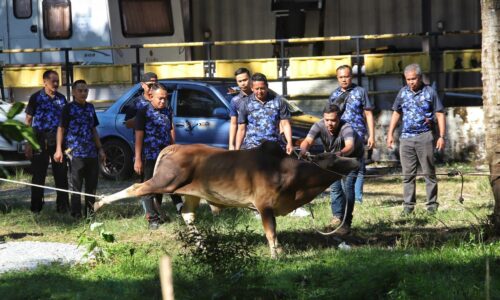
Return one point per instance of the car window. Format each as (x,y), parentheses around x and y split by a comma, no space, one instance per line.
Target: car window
(130,102)
(193,103)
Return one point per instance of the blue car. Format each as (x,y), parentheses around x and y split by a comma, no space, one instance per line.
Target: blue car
(201,115)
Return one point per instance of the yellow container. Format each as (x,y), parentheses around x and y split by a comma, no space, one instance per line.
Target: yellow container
(182,69)
(316,67)
(103,74)
(462,60)
(268,67)
(26,77)
(393,63)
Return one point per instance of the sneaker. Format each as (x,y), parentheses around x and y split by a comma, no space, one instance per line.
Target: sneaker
(154,224)
(344,230)
(299,213)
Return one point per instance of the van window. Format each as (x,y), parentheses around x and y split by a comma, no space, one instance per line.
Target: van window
(146,17)
(57,19)
(22,9)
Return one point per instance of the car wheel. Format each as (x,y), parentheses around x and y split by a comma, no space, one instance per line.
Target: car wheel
(118,164)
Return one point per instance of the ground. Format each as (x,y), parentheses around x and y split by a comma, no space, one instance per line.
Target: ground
(449,255)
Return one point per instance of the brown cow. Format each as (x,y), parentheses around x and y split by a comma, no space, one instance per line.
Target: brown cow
(264,178)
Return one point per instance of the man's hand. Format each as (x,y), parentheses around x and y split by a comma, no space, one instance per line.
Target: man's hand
(390,141)
(58,156)
(289,148)
(28,151)
(102,155)
(371,143)
(138,166)
(440,144)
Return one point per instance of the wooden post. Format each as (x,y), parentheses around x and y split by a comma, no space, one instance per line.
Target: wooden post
(166,278)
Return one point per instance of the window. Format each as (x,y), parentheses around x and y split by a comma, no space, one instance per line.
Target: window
(146,17)
(22,9)
(57,19)
(192,103)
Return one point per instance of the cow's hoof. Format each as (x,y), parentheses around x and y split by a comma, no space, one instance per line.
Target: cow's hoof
(276,252)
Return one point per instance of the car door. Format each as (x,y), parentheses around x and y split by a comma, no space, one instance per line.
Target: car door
(200,116)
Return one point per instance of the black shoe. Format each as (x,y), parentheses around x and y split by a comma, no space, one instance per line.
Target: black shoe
(154,224)
(432,209)
(407,211)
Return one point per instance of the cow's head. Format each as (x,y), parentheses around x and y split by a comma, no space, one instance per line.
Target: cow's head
(330,161)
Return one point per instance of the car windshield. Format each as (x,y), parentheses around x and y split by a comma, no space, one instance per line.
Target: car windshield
(230,90)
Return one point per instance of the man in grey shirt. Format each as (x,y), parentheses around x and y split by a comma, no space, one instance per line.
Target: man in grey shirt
(338,137)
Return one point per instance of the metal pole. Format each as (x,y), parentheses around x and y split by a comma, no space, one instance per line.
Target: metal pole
(208,48)
(358,61)
(283,68)
(137,63)
(68,72)
(1,83)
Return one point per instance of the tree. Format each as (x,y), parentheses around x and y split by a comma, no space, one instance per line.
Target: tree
(490,56)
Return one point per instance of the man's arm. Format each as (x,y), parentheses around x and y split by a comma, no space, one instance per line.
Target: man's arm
(287,130)
(348,147)
(233,129)
(441,120)
(371,128)
(28,150)
(240,135)
(305,146)
(58,155)
(394,122)
(172,132)
(97,141)
(139,138)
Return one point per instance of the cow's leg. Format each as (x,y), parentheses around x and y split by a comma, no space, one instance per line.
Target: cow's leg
(191,203)
(269,223)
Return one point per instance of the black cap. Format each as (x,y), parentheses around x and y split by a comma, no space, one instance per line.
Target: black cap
(146,77)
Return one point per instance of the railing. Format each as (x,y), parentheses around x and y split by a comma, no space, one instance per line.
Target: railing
(280,68)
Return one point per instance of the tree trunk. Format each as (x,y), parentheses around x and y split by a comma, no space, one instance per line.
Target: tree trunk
(490,57)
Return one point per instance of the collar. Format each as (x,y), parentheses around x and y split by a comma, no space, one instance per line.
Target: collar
(349,88)
(44,94)
(416,92)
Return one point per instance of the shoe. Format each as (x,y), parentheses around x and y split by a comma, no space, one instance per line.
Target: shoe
(154,224)
(407,211)
(299,213)
(432,209)
(344,230)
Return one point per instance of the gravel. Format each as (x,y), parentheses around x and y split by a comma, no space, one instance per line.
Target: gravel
(17,256)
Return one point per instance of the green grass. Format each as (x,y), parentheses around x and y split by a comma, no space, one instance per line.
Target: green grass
(444,256)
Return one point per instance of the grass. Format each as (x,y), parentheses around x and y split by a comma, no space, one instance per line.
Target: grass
(444,256)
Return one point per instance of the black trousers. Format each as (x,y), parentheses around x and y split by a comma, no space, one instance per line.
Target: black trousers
(39,165)
(152,203)
(80,170)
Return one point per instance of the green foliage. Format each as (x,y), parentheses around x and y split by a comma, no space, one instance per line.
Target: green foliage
(223,250)
(14,130)
(93,245)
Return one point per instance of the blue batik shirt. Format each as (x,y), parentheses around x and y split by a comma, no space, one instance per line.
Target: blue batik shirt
(137,104)
(79,121)
(46,111)
(418,109)
(355,104)
(156,124)
(236,103)
(262,119)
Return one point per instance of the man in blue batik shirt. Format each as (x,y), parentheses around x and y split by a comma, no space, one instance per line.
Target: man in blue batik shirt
(42,114)
(154,131)
(140,101)
(420,106)
(243,81)
(355,106)
(78,131)
(261,116)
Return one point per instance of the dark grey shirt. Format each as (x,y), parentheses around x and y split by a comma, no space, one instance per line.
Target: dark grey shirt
(336,141)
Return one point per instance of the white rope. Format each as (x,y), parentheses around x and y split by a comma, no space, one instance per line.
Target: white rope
(51,188)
